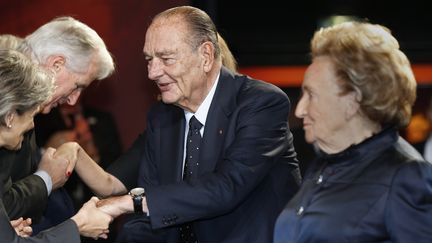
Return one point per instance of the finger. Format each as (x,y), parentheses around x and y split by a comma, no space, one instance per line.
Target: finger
(28,221)
(94,199)
(103,236)
(16,222)
(92,202)
(27,230)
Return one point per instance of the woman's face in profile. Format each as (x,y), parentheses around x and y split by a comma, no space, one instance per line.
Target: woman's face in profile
(20,124)
(321,105)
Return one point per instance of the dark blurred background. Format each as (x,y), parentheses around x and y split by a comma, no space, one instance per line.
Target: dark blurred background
(278,32)
(262,35)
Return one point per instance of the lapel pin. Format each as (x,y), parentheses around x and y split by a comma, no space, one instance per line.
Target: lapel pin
(220,131)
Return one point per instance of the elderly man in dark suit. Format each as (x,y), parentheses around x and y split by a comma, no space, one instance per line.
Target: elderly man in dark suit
(217,162)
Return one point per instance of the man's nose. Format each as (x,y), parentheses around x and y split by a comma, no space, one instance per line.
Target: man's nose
(73,98)
(155,69)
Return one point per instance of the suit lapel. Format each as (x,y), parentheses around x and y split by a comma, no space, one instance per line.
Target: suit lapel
(217,122)
(171,150)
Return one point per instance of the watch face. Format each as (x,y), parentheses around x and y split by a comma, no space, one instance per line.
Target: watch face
(137,191)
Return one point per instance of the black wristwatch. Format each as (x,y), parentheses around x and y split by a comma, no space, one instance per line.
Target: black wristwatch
(137,195)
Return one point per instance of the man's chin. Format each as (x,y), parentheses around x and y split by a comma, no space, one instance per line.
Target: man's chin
(168,100)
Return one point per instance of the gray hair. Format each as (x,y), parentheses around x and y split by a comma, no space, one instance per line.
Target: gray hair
(76,41)
(201,26)
(23,85)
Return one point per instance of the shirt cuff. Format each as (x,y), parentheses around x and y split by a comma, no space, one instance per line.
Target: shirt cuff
(46,178)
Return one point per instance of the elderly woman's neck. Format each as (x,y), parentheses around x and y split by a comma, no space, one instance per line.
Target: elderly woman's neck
(355,132)
(2,140)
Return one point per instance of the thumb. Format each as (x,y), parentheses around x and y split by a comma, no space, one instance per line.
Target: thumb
(94,199)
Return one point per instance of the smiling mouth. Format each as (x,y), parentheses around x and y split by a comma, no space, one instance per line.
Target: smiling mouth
(163,86)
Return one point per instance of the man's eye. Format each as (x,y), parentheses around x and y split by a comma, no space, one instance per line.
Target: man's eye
(168,60)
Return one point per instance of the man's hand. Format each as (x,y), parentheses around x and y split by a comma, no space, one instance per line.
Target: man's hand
(22,227)
(56,168)
(116,206)
(91,221)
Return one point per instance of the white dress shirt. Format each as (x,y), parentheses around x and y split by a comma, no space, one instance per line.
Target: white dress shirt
(200,115)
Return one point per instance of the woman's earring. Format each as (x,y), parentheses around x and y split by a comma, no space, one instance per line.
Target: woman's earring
(9,125)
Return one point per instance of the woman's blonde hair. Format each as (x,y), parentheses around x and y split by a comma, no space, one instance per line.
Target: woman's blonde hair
(368,61)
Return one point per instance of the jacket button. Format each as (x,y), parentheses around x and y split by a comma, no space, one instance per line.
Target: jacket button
(320,179)
(300,211)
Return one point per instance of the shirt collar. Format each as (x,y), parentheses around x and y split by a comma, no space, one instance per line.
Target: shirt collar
(202,111)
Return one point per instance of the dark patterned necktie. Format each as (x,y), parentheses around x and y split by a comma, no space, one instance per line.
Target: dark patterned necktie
(193,143)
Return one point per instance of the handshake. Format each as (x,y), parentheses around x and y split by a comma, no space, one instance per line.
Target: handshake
(94,217)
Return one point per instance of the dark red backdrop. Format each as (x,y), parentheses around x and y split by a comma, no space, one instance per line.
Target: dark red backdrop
(128,94)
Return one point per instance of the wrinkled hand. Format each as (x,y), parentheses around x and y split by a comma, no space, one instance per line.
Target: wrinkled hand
(116,206)
(91,221)
(68,151)
(22,227)
(55,167)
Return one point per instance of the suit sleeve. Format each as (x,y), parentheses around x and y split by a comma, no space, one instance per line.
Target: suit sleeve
(409,211)
(26,197)
(24,194)
(261,136)
(62,233)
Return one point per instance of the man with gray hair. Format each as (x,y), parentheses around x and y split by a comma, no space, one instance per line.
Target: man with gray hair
(74,52)
(217,162)
(76,55)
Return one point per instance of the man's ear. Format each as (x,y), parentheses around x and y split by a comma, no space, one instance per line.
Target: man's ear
(56,62)
(207,51)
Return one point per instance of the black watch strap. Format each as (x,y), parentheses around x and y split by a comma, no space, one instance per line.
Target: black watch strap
(137,195)
(137,202)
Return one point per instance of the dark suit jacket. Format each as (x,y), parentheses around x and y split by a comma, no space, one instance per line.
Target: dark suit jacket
(24,194)
(247,171)
(66,232)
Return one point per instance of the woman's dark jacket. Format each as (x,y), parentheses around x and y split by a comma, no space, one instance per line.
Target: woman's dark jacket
(376,191)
